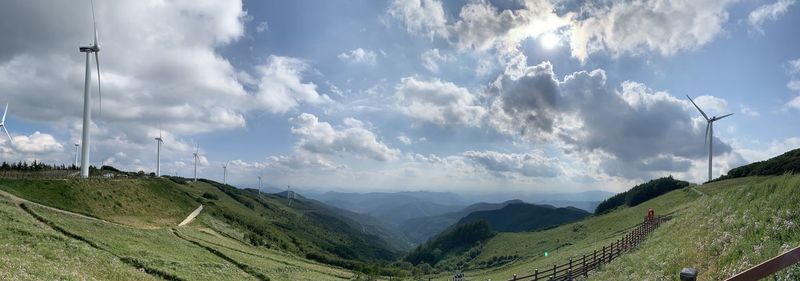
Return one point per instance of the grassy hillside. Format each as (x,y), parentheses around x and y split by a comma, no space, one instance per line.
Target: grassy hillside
(740,223)
(454,241)
(524,217)
(141,214)
(641,193)
(510,253)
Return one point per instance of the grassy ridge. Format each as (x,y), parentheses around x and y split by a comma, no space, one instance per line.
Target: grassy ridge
(740,224)
(136,202)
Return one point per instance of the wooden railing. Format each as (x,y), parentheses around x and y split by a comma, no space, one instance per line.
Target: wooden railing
(582,265)
(769,267)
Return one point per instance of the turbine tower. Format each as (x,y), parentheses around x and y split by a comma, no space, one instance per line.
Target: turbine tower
(3,125)
(158,154)
(225,173)
(87,102)
(196,157)
(259,182)
(76,154)
(709,132)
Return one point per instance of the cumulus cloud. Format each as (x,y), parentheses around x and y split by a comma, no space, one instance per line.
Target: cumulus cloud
(405,140)
(439,102)
(632,27)
(431,59)
(482,26)
(633,130)
(358,56)
(768,12)
(354,138)
(280,86)
(527,164)
(793,67)
(37,143)
(424,18)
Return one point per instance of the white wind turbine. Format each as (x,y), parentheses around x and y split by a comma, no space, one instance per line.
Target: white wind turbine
(259,183)
(158,154)
(76,154)
(196,157)
(709,132)
(225,173)
(3,125)
(87,102)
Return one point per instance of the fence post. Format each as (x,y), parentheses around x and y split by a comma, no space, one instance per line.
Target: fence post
(603,256)
(554,272)
(514,278)
(536,274)
(569,271)
(585,273)
(594,259)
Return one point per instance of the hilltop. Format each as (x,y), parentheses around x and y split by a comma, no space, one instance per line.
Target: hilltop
(419,230)
(517,217)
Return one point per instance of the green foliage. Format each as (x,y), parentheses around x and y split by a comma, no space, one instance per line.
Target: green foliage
(210,196)
(453,241)
(788,162)
(641,193)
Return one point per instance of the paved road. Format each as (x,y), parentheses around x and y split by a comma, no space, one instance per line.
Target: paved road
(191,216)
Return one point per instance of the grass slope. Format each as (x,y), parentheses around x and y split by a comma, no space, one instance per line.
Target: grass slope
(520,253)
(740,223)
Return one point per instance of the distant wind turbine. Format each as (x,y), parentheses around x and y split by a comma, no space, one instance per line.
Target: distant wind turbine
(225,173)
(87,102)
(158,154)
(259,182)
(76,154)
(289,194)
(196,157)
(709,132)
(3,125)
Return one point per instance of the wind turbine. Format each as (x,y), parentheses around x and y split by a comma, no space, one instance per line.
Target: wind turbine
(289,194)
(225,173)
(87,102)
(196,157)
(3,125)
(158,154)
(259,183)
(76,154)
(709,132)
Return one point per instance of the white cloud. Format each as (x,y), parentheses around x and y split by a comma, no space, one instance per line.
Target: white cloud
(768,12)
(632,27)
(439,102)
(262,26)
(322,138)
(746,110)
(527,164)
(280,86)
(423,18)
(713,106)
(404,140)
(793,67)
(431,59)
(37,143)
(358,56)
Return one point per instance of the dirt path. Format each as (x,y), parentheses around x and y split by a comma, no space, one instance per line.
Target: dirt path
(191,216)
(698,191)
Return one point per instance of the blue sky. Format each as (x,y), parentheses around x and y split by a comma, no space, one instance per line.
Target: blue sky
(514,96)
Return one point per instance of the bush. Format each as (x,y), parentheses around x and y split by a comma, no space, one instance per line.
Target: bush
(210,196)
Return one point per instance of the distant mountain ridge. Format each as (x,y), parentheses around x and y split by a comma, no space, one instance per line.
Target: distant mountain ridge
(394,208)
(518,217)
(419,230)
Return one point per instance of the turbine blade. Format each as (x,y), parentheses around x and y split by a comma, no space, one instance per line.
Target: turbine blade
(9,136)
(94,24)
(4,115)
(723,116)
(99,90)
(698,108)
(708,126)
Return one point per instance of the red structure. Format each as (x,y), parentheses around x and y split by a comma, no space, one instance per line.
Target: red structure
(650,214)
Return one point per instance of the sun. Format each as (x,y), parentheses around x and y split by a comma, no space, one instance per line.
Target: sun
(549,41)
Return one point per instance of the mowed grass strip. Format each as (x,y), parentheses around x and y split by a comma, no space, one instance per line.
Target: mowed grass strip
(33,251)
(152,248)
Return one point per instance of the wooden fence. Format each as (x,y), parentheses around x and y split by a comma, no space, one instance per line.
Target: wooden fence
(769,267)
(581,265)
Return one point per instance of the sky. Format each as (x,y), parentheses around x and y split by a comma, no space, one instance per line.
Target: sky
(478,96)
